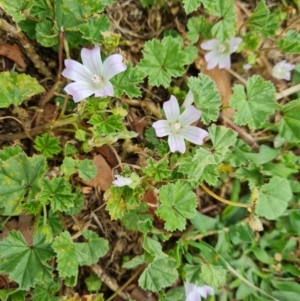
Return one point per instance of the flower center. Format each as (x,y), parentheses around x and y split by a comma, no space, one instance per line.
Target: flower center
(281,72)
(175,127)
(223,47)
(97,81)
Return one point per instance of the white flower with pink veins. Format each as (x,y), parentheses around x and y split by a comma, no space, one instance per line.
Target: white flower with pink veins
(282,70)
(219,54)
(178,126)
(92,76)
(194,292)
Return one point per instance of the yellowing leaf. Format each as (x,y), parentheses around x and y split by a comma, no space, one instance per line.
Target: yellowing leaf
(15,88)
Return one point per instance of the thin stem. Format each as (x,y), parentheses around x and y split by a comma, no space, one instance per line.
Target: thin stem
(235,273)
(120,289)
(241,79)
(287,92)
(236,204)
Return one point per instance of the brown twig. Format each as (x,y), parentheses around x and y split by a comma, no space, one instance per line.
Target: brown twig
(247,138)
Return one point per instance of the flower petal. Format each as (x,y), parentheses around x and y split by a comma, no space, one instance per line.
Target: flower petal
(225,61)
(189,99)
(204,290)
(234,44)
(210,44)
(122,181)
(212,55)
(91,59)
(162,128)
(171,108)
(190,115)
(176,143)
(107,90)
(113,65)
(188,287)
(192,296)
(193,134)
(79,90)
(77,72)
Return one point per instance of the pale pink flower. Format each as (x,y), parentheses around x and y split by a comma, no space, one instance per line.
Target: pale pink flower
(220,52)
(122,181)
(194,293)
(188,100)
(282,70)
(178,126)
(92,77)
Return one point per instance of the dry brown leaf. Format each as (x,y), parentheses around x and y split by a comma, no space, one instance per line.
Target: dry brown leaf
(104,178)
(13,53)
(24,225)
(138,122)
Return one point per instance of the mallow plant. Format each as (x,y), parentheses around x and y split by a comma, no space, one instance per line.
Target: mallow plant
(223,221)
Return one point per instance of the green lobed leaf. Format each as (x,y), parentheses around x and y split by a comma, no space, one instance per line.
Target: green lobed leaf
(291,42)
(222,138)
(12,294)
(198,26)
(255,105)
(157,171)
(45,292)
(162,60)
(122,200)
(191,53)
(89,8)
(47,145)
(25,264)
(127,81)
(58,193)
(191,5)
(42,10)
(134,262)
(93,28)
(159,274)
(93,283)
(93,249)
(15,88)
(106,126)
(153,247)
(69,165)
(132,218)
(18,9)
(214,276)
(67,262)
(87,169)
(290,121)
(47,33)
(177,203)
(259,17)
(225,28)
(206,97)
(9,151)
(273,198)
(20,178)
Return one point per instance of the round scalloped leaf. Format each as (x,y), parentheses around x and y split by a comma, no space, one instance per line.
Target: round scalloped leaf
(15,88)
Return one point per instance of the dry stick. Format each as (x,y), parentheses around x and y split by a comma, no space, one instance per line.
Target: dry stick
(38,63)
(287,92)
(110,282)
(16,119)
(247,138)
(236,204)
(121,288)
